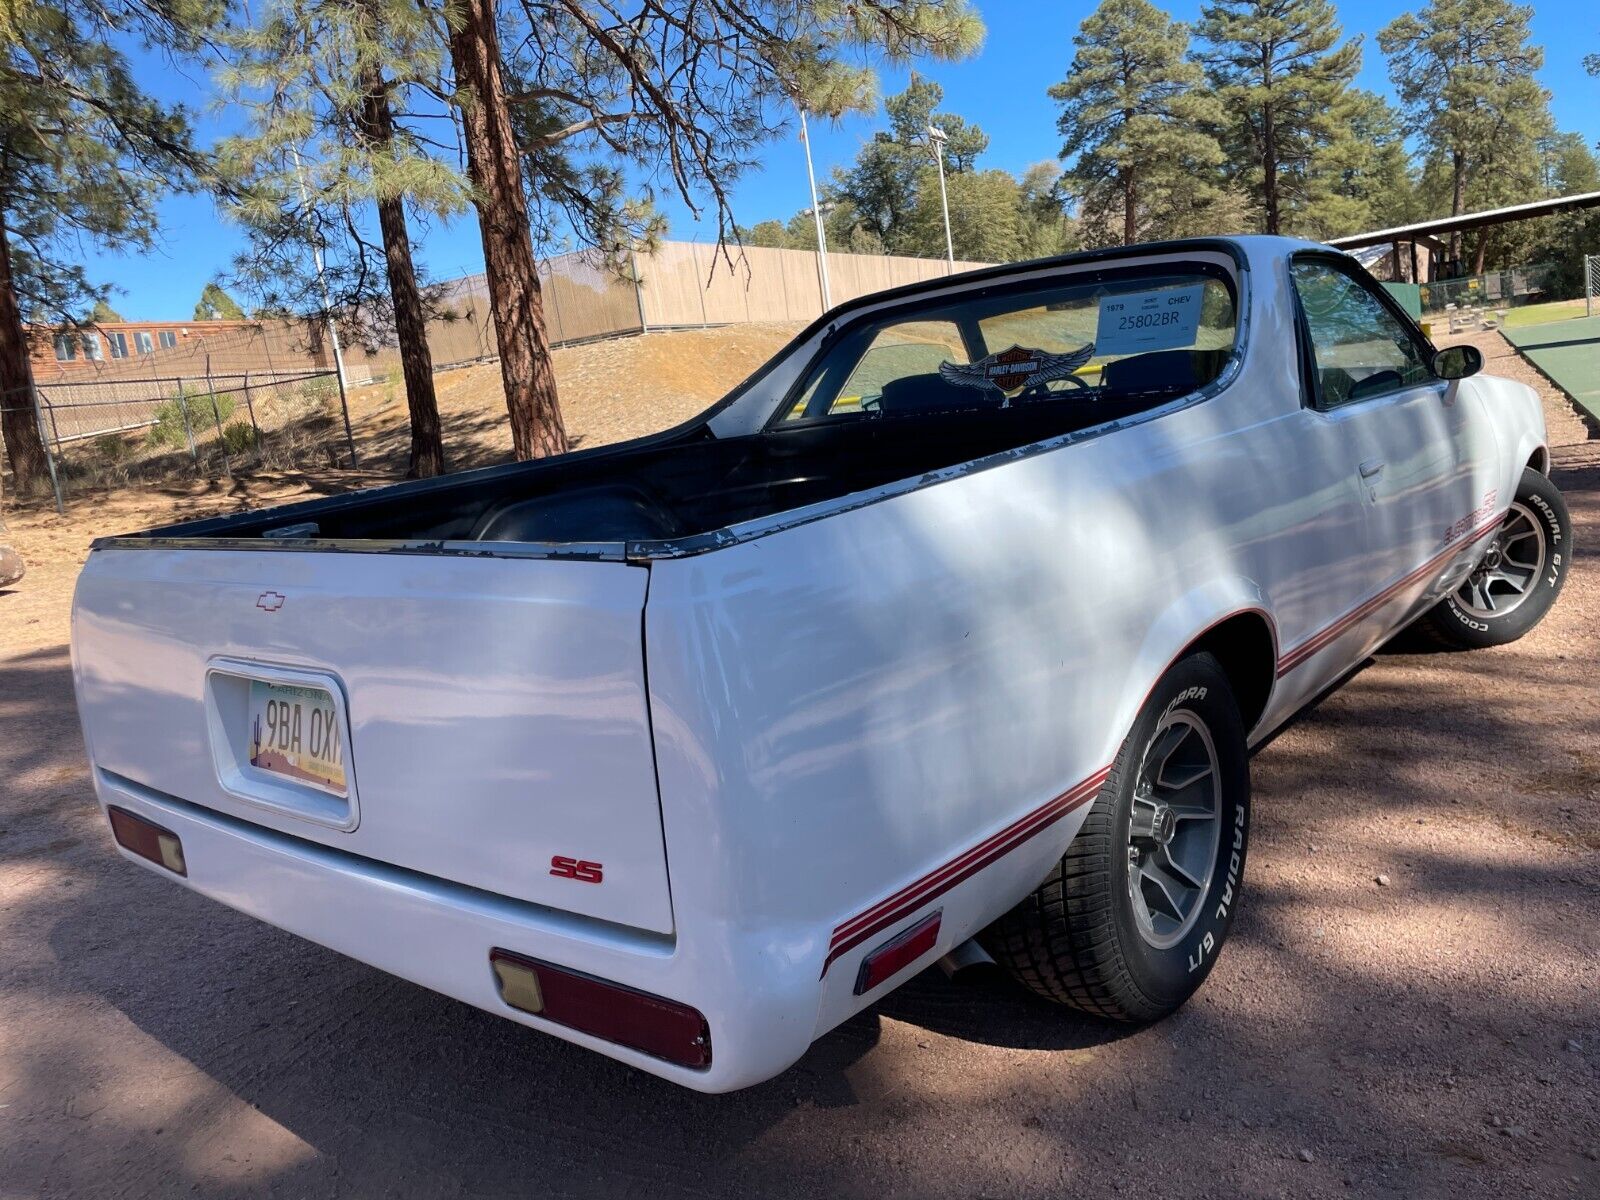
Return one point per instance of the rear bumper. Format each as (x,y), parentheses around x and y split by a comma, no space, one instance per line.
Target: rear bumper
(761,1007)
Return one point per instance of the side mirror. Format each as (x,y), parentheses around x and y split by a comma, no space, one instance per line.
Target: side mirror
(1457,362)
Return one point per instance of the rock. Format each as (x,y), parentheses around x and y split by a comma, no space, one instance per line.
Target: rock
(1382,881)
(1305,1156)
(1574,1045)
(11,568)
(1186,1115)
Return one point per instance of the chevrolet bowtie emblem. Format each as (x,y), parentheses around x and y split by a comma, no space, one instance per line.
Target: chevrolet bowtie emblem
(270,601)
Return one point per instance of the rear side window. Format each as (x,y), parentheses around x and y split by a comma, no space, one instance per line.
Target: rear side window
(1359,348)
(1138,332)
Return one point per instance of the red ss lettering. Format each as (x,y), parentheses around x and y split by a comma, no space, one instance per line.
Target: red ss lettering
(581,869)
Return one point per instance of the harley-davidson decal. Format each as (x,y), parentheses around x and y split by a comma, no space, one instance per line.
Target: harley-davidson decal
(1016,368)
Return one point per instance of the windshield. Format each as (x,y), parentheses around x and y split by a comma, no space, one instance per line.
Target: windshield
(1158,332)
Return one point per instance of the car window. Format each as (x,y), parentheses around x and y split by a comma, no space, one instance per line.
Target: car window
(898,351)
(1136,332)
(1360,348)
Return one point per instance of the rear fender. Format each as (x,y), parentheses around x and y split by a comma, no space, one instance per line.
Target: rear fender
(1183,623)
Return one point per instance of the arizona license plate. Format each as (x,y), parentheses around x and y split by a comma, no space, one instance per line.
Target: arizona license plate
(295,732)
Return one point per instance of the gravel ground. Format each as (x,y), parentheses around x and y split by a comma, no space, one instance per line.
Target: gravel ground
(1437,1035)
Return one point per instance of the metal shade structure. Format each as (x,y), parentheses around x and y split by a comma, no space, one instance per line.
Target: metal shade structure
(1444,226)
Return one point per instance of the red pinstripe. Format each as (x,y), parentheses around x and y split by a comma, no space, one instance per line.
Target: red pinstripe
(914,895)
(911,897)
(1321,640)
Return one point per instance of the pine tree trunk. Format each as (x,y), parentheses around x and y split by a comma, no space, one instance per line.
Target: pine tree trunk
(1130,210)
(1458,199)
(494,165)
(410,325)
(18,420)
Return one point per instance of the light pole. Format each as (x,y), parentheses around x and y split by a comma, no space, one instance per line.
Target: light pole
(937,139)
(327,312)
(816,212)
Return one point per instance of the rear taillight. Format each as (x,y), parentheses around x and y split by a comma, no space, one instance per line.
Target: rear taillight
(898,952)
(660,1028)
(148,840)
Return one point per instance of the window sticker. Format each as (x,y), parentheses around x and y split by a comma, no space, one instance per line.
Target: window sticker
(1137,322)
(1016,368)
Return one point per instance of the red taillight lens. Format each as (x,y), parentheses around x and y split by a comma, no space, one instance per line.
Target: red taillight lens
(148,840)
(638,1020)
(900,951)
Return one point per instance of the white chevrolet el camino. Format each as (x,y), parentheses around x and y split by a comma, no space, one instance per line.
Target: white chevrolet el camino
(951,628)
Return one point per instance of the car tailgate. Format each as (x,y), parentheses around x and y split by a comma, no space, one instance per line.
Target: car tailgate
(495,707)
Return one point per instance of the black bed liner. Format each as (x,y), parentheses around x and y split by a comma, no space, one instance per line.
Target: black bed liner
(664,489)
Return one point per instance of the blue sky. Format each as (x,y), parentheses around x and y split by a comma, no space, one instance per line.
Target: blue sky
(1002,89)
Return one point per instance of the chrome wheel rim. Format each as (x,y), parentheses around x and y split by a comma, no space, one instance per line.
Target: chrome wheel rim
(1174,829)
(1510,568)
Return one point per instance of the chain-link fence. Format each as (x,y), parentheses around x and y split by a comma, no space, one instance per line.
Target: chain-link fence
(1591,284)
(111,432)
(1493,289)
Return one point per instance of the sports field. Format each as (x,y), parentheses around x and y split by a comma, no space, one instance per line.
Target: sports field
(1569,353)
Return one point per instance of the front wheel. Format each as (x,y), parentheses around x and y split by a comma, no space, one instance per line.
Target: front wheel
(1130,921)
(1518,578)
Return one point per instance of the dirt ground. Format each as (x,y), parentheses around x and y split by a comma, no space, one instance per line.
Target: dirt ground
(1435,1036)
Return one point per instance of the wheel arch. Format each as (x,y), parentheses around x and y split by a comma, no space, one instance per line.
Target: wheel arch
(1245,643)
(1539,460)
(1227,618)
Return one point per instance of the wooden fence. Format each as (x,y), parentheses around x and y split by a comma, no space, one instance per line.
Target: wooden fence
(682,285)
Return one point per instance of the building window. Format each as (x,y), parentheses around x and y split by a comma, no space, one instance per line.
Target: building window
(91,348)
(119,344)
(66,347)
(143,342)
(168,339)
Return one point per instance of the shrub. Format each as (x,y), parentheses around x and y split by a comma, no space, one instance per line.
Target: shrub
(168,429)
(238,436)
(111,446)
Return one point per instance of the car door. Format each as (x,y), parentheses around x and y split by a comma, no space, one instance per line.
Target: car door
(1405,429)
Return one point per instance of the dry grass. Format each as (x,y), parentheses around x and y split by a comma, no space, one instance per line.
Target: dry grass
(610,391)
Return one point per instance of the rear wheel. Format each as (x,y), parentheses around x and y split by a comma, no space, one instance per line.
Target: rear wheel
(1129,923)
(1523,568)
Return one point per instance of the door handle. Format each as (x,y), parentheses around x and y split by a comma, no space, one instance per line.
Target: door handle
(1371,468)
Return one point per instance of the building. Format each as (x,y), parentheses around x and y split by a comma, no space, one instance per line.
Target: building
(59,355)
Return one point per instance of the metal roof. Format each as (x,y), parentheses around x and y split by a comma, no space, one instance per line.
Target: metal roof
(1444,226)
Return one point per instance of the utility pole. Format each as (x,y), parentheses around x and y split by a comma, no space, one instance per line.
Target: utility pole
(327,314)
(816,213)
(936,139)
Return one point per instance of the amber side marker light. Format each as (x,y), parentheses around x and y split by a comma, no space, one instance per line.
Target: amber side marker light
(649,1024)
(148,840)
(899,951)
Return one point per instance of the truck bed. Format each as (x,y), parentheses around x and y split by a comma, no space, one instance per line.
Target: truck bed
(668,487)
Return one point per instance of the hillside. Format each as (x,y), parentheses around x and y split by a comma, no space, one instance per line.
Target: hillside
(610,391)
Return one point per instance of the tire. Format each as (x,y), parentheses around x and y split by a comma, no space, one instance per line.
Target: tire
(1486,610)
(1080,938)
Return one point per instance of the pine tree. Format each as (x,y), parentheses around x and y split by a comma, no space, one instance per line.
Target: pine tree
(985,217)
(84,156)
(1463,70)
(329,84)
(1282,77)
(103,312)
(216,305)
(680,93)
(885,185)
(1135,115)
